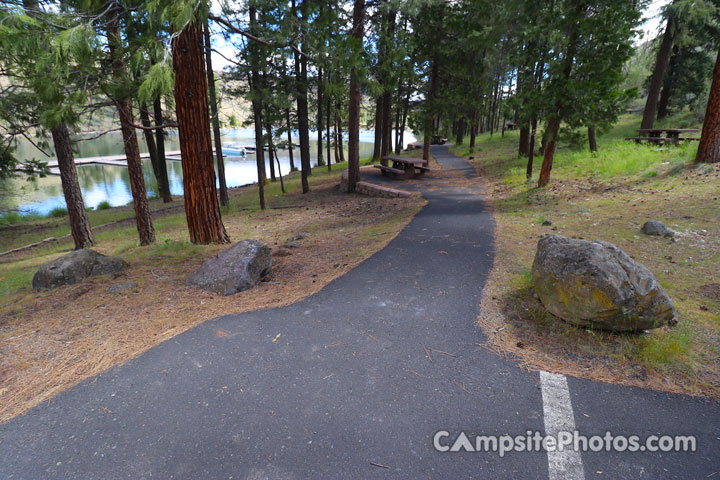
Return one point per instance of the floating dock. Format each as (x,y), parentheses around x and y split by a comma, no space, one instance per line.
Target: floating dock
(109,160)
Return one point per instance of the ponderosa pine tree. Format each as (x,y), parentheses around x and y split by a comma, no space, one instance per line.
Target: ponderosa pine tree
(356,37)
(36,47)
(585,73)
(191,103)
(121,97)
(709,147)
(661,63)
(302,95)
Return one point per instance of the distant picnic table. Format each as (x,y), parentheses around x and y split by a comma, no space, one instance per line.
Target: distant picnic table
(403,167)
(655,135)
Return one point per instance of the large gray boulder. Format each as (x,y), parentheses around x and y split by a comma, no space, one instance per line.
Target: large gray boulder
(236,269)
(595,284)
(74,267)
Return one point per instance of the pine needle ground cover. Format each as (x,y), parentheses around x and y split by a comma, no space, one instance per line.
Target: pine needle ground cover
(50,341)
(608,197)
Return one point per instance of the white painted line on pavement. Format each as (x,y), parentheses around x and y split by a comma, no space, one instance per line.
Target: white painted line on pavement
(557,408)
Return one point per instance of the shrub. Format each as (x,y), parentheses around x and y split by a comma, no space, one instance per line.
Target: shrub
(57,212)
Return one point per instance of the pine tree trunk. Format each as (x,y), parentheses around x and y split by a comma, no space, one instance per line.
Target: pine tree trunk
(473,127)
(428,122)
(386,127)
(302,102)
(524,144)
(268,129)
(377,146)
(320,118)
(79,223)
(341,140)
(254,82)
(531,152)
(592,139)
(163,181)
(150,142)
(460,132)
(709,147)
(327,131)
(549,153)
(191,104)
(215,118)
(354,103)
(335,138)
(289,140)
(406,106)
(662,111)
(155,160)
(663,58)
(272,152)
(398,146)
(143,221)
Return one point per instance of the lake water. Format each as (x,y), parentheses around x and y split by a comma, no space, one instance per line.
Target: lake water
(109,183)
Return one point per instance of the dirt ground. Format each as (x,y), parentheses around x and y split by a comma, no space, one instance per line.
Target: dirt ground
(50,341)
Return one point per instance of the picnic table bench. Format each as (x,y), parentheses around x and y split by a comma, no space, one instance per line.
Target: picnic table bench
(655,135)
(403,167)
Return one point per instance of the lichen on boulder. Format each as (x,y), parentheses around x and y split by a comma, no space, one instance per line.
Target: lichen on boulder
(595,284)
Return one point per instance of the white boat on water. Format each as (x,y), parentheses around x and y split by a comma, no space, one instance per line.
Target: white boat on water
(234,149)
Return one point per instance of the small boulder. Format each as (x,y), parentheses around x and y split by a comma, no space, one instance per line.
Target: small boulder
(653,227)
(236,269)
(74,267)
(595,284)
(292,242)
(547,223)
(121,287)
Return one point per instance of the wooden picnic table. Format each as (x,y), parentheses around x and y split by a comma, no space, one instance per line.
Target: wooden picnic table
(403,167)
(655,135)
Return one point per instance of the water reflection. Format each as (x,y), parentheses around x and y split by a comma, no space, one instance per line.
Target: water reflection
(109,183)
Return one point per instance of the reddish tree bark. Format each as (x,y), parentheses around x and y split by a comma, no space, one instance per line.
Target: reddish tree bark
(709,148)
(191,104)
(549,153)
(79,223)
(143,220)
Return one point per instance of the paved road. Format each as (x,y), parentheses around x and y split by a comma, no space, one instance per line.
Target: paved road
(361,378)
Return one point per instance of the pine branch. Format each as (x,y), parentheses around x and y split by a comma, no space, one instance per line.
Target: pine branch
(261,41)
